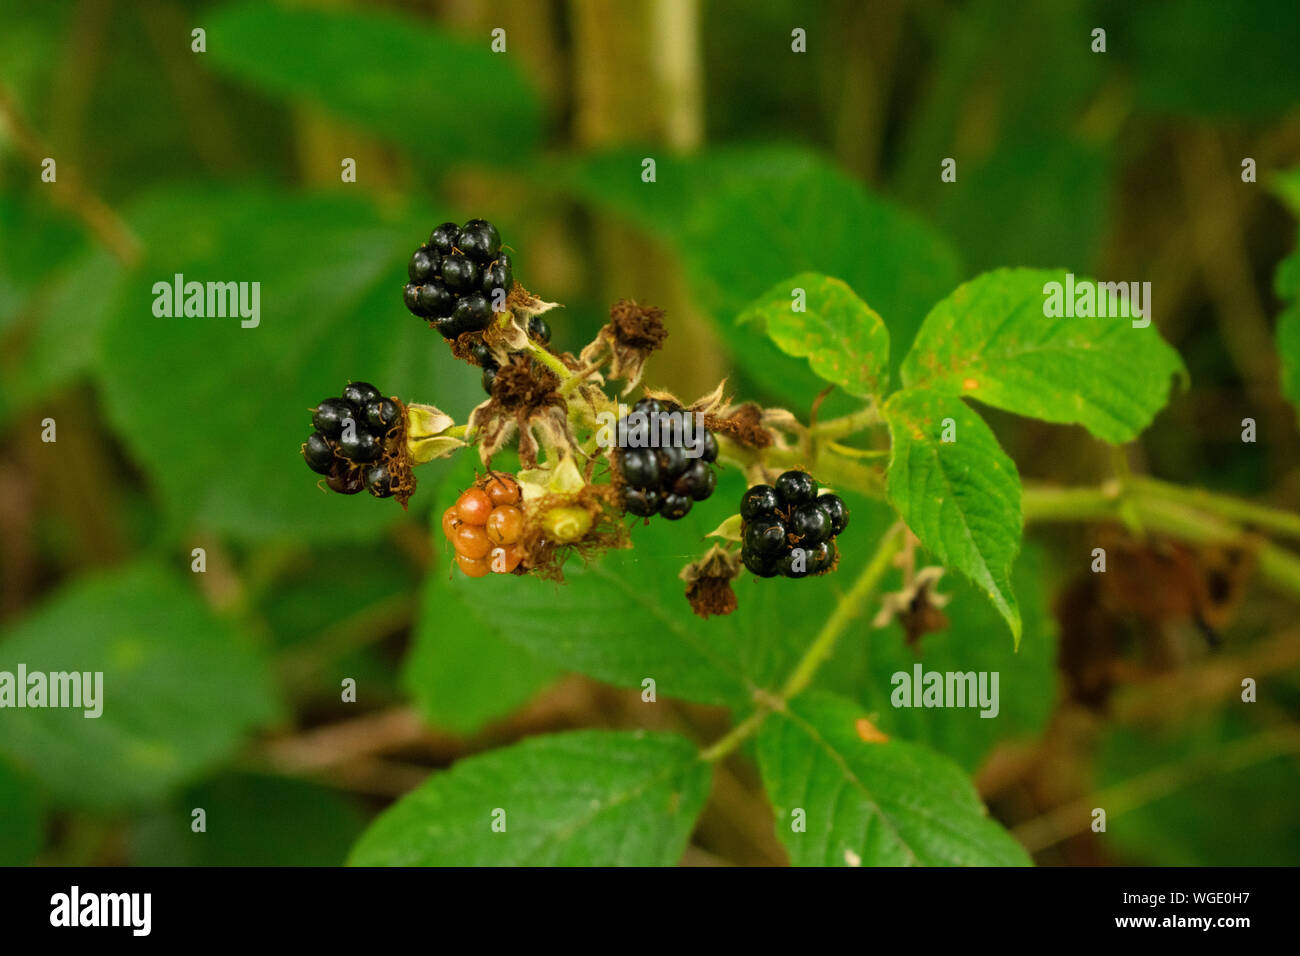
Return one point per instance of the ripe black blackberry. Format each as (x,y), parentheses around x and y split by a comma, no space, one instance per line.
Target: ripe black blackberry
(355,440)
(458,277)
(789,529)
(665,463)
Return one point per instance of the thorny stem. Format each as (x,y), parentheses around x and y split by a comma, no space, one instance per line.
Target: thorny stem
(848,608)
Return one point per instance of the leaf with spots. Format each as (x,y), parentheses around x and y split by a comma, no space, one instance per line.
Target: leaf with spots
(585,798)
(992,340)
(819,318)
(868,802)
(957,490)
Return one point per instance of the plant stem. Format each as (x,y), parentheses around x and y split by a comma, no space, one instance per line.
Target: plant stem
(848,608)
(847,424)
(1166,513)
(1262,516)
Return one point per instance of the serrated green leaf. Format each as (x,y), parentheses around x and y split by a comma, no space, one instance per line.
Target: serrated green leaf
(460,670)
(991,341)
(180,688)
(845,341)
(960,498)
(870,803)
(586,798)
(384,72)
(216,412)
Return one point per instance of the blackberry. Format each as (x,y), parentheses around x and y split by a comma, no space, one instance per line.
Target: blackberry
(540,329)
(479,240)
(789,529)
(331,414)
(360,394)
(459,273)
(444,238)
(381,415)
(423,265)
(435,301)
(357,441)
(489,376)
(318,453)
(378,481)
(454,277)
(662,460)
(498,276)
(482,355)
(472,313)
(359,446)
(796,487)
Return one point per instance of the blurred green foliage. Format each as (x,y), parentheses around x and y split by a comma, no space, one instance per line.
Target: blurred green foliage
(213,162)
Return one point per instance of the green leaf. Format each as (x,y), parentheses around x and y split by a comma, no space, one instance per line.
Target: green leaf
(871,803)
(865,664)
(461,671)
(21,823)
(625,617)
(586,798)
(844,340)
(776,211)
(1285,184)
(179,688)
(383,72)
(216,412)
(961,498)
(990,340)
(251,821)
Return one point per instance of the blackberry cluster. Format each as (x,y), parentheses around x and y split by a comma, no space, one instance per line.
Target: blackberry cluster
(455,275)
(356,436)
(789,529)
(484,527)
(659,476)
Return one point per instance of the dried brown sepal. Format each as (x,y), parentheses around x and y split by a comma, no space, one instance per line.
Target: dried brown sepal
(398,459)
(632,333)
(917,606)
(708,582)
(525,402)
(545,557)
(743,425)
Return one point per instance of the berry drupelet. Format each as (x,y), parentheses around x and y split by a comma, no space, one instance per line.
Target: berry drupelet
(789,529)
(664,460)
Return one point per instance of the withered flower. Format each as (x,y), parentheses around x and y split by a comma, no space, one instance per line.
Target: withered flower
(708,582)
(632,333)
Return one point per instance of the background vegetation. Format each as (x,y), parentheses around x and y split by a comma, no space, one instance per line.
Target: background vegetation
(175,434)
